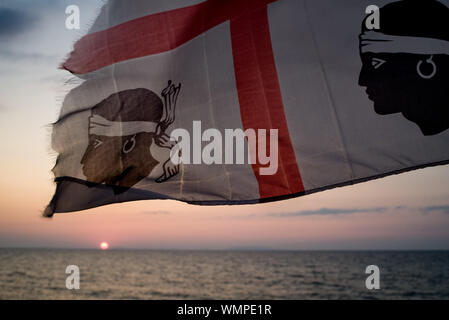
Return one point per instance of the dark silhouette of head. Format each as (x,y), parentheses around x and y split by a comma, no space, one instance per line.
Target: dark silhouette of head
(414,84)
(122,161)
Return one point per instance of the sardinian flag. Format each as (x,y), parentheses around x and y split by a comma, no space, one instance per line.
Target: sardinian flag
(246,101)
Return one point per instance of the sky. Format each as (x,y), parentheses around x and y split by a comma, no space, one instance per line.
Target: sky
(408,211)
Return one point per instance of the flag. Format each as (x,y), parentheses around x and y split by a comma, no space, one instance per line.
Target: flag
(246,101)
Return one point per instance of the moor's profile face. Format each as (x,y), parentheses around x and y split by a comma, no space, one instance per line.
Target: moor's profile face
(122,161)
(405,63)
(396,84)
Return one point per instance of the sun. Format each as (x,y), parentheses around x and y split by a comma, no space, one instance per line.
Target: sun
(104,245)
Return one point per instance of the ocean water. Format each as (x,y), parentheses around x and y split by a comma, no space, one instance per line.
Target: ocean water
(142,274)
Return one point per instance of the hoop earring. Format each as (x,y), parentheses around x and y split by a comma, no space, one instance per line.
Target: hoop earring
(128,150)
(434,71)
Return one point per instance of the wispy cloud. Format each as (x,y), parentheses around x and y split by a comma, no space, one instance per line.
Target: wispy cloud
(156,212)
(306,213)
(430,209)
(327,211)
(25,56)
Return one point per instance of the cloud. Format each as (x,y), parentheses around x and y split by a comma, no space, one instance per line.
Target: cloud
(156,212)
(430,209)
(327,211)
(14,22)
(27,56)
(317,212)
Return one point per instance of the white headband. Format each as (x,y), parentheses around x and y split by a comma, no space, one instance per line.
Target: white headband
(102,127)
(377,42)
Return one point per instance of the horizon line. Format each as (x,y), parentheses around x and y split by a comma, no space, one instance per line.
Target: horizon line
(222,250)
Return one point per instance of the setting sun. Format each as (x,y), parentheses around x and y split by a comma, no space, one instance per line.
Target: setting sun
(104,245)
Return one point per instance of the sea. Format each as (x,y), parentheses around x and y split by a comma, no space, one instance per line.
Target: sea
(253,275)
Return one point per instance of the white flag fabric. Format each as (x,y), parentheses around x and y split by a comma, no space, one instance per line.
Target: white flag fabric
(247,101)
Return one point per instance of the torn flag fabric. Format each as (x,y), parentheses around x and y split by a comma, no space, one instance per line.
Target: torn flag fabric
(248,101)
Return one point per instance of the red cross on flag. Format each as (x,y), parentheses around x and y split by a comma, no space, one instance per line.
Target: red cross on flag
(247,101)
